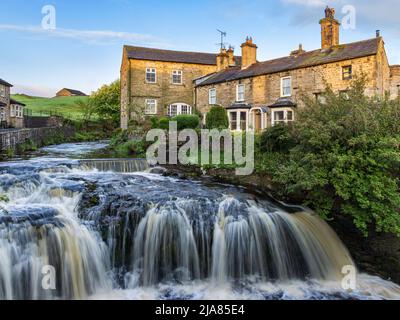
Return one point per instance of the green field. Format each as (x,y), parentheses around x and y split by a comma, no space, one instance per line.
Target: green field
(63,106)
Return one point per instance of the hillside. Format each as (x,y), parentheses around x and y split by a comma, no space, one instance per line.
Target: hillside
(67,107)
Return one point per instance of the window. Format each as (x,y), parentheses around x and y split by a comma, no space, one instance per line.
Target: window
(320,97)
(151,106)
(2,90)
(233,120)
(347,73)
(286,87)
(12,111)
(151,75)
(282,116)
(213,96)
(185,109)
(177,77)
(240,92)
(243,121)
(344,94)
(18,113)
(173,110)
(179,108)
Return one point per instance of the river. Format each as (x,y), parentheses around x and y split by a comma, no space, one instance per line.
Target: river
(115,229)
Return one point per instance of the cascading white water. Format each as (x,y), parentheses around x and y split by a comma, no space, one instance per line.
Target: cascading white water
(144,236)
(39,228)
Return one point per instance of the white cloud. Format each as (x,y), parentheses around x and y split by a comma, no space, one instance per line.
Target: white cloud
(35,91)
(87,36)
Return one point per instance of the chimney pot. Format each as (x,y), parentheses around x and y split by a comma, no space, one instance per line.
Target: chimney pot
(378,33)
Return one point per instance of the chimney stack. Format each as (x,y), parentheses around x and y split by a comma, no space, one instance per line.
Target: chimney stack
(231,54)
(249,53)
(378,33)
(299,51)
(329,29)
(222,60)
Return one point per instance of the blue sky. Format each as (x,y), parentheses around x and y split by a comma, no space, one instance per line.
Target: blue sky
(84,51)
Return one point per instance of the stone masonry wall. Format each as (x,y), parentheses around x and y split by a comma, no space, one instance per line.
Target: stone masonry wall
(135,90)
(266,89)
(9,139)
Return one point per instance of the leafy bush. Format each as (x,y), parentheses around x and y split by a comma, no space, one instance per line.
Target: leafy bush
(276,139)
(346,159)
(186,121)
(163,124)
(217,118)
(155,122)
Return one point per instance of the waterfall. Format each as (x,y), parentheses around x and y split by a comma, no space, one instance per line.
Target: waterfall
(109,231)
(39,228)
(116,165)
(247,241)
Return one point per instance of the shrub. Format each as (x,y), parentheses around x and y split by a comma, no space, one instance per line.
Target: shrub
(346,159)
(155,122)
(217,118)
(163,124)
(187,121)
(277,139)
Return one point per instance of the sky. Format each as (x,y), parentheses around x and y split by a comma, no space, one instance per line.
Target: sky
(83,47)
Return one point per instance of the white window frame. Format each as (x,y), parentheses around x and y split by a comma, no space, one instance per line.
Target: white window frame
(285,113)
(238,98)
(12,111)
(212,98)
(238,113)
(177,73)
(179,109)
(282,90)
(151,71)
(152,102)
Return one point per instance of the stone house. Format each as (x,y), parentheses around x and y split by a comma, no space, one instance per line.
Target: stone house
(70,93)
(257,94)
(161,82)
(261,94)
(11,111)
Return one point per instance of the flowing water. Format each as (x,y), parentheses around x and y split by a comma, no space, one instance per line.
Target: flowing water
(110,229)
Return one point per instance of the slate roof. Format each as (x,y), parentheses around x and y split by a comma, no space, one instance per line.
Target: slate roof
(5,83)
(307,59)
(12,101)
(141,53)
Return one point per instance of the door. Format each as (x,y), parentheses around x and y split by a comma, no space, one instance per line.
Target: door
(257,121)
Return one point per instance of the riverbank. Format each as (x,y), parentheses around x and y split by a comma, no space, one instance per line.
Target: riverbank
(377,254)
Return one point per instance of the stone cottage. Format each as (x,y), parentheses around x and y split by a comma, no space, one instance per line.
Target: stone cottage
(65,92)
(11,111)
(255,94)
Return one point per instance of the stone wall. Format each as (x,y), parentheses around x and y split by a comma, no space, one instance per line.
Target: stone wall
(135,90)
(9,139)
(394,82)
(41,122)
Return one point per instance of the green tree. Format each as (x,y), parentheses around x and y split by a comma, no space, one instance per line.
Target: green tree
(105,102)
(345,158)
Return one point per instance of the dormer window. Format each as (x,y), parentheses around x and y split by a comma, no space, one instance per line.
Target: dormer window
(286,87)
(151,75)
(347,73)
